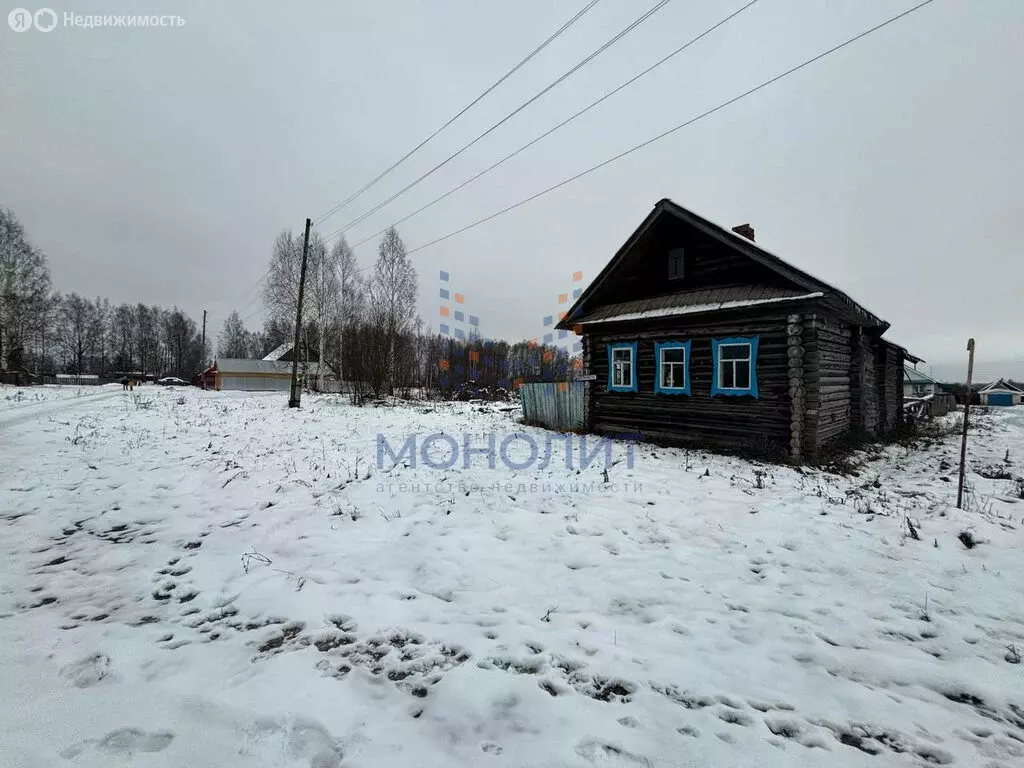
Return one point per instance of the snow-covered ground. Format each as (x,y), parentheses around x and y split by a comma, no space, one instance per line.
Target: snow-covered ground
(12,398)
(209,579)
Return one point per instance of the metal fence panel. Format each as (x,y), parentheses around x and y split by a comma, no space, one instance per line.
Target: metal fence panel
(555,405)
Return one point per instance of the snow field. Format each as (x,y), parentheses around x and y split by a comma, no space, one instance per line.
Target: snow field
(226,582)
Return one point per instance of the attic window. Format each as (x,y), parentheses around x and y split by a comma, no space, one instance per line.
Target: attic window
(675,264)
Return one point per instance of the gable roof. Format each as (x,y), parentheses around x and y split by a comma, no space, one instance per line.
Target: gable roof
(281,351)
(808,283)
(1001,385)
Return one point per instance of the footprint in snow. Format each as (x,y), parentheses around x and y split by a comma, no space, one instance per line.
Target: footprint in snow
(125,742)
(88,671)
(603,753)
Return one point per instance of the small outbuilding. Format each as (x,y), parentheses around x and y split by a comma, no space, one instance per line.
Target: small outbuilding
(697,335)
(1000,393)
(924,396)
(919,384)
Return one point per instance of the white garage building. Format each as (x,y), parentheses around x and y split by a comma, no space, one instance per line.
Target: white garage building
(233,373)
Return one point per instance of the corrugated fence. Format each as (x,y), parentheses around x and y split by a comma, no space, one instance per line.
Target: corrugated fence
(555,405)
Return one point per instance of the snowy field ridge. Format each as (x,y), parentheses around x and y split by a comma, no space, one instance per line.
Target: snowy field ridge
(210,579)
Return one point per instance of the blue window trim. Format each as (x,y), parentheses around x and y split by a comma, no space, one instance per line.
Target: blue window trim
(632,346)
(750,391)
(658,388)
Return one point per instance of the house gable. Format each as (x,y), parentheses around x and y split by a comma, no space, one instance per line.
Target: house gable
(714,260)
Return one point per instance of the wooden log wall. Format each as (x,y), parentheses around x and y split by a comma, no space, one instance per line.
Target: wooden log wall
(827,362)
(883,409)
(761,426)
(797,390)
(892,388)
(834,355)
(812,389)
(863,385)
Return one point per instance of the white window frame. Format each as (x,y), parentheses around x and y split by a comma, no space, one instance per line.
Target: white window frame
(680,384)
(617,367)
(749,360)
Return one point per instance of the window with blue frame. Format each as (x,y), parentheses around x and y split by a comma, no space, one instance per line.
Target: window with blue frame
(673,367)
(622,367)
(735,366)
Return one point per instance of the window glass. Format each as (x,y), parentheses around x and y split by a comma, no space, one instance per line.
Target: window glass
(673,355)
(622,367)
(742,374)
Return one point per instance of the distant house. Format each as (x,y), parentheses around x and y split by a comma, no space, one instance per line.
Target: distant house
(924,396)
(918,384)
(1000,393)
(697,335)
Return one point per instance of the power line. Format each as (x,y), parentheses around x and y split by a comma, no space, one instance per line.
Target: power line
(253,314)
(562,124)
(251,287)
(672,130)
(256,297)
(582,63)
(459,114)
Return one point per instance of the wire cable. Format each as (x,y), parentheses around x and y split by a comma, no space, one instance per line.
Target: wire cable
(251,287)
(253,314)
(562,124)
(459,114)
(672,130)
(582,63)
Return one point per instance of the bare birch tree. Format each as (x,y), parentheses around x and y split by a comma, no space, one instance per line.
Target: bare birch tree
(392,294)
(323,297)
(351,298)
(281,288)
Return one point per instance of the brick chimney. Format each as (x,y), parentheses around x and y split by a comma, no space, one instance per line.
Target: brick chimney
(745,230)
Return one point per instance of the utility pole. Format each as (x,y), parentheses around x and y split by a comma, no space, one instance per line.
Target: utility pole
(967,411)
(295,400)
(202,365)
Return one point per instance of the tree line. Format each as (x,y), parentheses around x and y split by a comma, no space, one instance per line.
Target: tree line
(363,324)
(45,332)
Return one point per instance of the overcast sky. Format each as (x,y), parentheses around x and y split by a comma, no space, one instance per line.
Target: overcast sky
(158,165)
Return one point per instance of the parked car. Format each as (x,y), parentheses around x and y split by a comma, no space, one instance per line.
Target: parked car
(171,381)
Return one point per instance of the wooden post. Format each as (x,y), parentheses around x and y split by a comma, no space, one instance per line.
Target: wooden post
(296,396)
(967,411)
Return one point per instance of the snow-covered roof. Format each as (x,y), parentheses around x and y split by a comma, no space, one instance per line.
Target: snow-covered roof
(281,351)
(1001,385)
(608,313)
